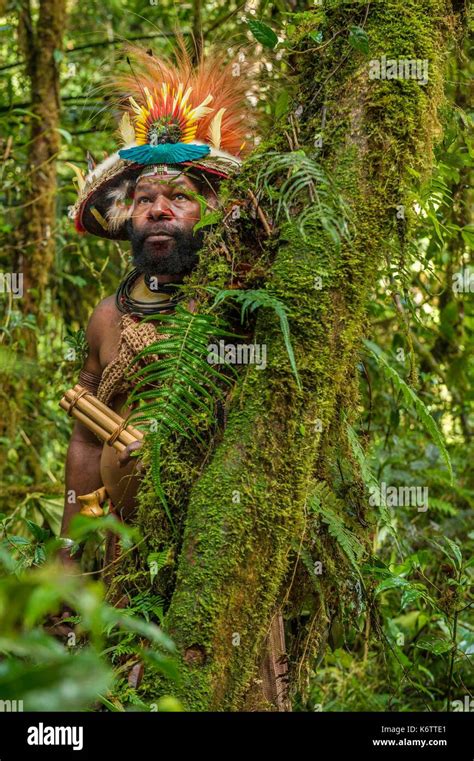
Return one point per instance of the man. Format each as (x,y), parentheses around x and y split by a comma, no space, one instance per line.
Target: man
(160,228)
(183,132)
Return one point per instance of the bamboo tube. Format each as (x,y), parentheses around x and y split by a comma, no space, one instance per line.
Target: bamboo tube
(134,432)
(104,420)
(91,425)
(99,405)
(85,405)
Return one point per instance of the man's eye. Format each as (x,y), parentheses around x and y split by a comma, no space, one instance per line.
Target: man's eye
(179,196)
(143,199)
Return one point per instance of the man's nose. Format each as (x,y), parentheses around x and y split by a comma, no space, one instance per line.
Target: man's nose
(160,208)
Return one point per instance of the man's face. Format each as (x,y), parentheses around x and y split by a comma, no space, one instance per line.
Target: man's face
(161,225)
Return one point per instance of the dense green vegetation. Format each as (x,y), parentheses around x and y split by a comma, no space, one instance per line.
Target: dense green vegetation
(398,602)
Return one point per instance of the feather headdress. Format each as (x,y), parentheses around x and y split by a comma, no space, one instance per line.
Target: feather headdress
(173,114)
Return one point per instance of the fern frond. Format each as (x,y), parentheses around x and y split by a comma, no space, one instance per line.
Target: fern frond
(369,479)
(122,649)
(254,299)
(159,561)
(306,183)
(325,503)
(179,385)
(412,399)
(146,604)
(443,507)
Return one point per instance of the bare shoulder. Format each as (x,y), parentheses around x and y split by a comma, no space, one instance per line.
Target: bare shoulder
(101,333)
(104,318)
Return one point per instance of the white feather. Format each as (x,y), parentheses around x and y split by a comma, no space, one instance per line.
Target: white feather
(214,133)
(118,211)
(126,129)
(201,110)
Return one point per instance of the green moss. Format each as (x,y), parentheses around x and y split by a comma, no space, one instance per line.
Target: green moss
(238,561)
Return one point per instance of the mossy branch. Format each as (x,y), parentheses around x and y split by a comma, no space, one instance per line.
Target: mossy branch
(247,510)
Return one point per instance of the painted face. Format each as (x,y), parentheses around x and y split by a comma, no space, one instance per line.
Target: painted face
(160,228)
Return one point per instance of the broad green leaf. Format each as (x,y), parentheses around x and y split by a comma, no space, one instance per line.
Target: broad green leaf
(68,683)
(393,582)
(281,105)
(162,663)
(409,597)
(358,39)
(45,598)
(263,33)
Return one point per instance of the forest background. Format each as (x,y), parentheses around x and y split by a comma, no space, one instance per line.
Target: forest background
(409,644)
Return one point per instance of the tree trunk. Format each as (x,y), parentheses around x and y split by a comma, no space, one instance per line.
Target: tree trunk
(247,514)
(40,41)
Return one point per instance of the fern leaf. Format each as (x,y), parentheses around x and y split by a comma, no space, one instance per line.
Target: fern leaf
(325,503)
(178,384)
(412,400)
(254,299)
(159,561)
(369,479)
(306,184)
(443,507)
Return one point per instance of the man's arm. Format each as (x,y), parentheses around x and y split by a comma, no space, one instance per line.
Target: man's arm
(82,471)
(85,449)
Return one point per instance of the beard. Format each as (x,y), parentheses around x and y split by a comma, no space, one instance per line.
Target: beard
(178,256)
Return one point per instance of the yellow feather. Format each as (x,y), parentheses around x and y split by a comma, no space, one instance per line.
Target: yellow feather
(186,96)
(79,174)
(149,99)
(135,106)
(178,94)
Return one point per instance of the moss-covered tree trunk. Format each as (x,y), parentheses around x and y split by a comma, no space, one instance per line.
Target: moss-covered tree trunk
(247,513)
(40,35)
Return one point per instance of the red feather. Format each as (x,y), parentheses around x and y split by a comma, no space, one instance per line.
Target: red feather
(212,76)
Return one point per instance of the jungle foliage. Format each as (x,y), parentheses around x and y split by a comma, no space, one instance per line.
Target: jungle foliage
(393,592)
